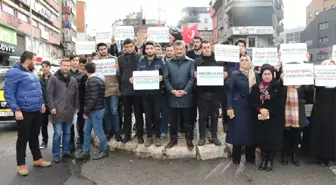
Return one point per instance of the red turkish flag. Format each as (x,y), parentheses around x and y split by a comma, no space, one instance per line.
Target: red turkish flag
(189,34)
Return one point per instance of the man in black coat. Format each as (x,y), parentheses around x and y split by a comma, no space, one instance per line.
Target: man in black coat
(94,113)
(113,48)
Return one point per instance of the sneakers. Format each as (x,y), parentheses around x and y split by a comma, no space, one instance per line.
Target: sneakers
(149,142)
(83,156)
(43,145)
(100,155)
(158,142)
(22,170)
(57,159)
(41,163)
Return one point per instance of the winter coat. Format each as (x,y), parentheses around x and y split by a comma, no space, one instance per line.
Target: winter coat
(111,82)
(127,64)
(22,89)
(323,124)
(240,128)
(63,97)
(113,50)
(44,84)
(94,94)
(268,133)
(179,75)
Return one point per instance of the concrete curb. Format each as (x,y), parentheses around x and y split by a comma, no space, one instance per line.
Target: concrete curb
(206,152)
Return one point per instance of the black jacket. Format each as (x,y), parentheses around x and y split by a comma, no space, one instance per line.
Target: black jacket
(44,84)
(94,94)
(127,64)
(79,76)
(208,61)
(114,50)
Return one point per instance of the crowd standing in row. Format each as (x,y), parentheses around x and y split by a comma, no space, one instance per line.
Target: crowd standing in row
(260,111)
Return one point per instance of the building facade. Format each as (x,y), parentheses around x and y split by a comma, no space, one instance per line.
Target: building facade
(292,35)
(316,7)
(320,35)
(16,30)
(69,27)
(81,20)
(259,22)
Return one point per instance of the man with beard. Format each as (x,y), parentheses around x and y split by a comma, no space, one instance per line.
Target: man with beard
(112,123)
(128,63)
(45,116)
(158,50)
(152,98)
(208,97)
(78,75)
(179,80)
(21,81)
(63,101)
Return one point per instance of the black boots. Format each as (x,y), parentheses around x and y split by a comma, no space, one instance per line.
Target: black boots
(294,160)
(284,158)
(118,136)
(266,161)
(263,164)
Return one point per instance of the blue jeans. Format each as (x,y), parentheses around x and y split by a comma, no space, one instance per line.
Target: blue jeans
(111,113)
(165,115)
(94,121)
(62,131)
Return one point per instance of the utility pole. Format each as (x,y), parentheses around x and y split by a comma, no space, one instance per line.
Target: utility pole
(159,9)
(31,25)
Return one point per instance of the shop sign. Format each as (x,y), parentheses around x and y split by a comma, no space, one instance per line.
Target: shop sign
(7,48)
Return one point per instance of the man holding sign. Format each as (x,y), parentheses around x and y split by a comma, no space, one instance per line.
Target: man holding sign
(208,96)
(151,98)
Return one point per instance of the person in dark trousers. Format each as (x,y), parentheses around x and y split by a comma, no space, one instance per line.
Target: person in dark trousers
(152,98)
(240,127)
(78,75)
(63,101)
(179,81)
(111,126)
(128,63)
(94,113)
(21,81)
(45,116)
(268,116)
(113,48)
(208,97)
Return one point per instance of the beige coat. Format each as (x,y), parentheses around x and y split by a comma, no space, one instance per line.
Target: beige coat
(111,82)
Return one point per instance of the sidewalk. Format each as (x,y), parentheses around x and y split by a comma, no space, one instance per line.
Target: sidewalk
(208,151)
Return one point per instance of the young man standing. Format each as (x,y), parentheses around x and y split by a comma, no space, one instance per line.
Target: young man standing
(63,102)
(128,63)
(112,123)
(21,82)
(94,113)
(152,98)
(179,81)
(82,62)
(45,116)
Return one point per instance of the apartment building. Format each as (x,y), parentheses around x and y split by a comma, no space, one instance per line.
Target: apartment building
(69,26)
(316,7)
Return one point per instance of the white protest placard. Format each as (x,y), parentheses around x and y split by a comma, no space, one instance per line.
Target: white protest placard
(158,34)
(333,55)
(124,32)
(146,80)
(106,67)
(210,76)
(85,47)
(295,52)
(325,76)
(227,53)
(265,56)
(298,74)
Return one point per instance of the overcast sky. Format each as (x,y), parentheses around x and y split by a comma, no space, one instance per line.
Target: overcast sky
(102,13)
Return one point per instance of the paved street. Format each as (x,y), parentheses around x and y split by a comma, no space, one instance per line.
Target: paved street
(124,169)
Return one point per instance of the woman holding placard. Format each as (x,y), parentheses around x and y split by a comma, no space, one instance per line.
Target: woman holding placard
(323,127)
(240,127)
(267,102)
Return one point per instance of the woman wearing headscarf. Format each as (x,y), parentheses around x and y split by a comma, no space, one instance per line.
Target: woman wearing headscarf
(267,102)
(323,126)
(240,128)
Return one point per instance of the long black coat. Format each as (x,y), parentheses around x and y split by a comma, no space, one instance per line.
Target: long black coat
(323,124)
(126,67)
(269,133)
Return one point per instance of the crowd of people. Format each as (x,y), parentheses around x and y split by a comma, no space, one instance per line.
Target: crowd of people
(258,111)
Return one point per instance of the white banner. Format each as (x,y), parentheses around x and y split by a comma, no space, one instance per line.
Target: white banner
(333,56)
(296,52)
(106,67)
(325,76)
(158,34)
(227,53)
(298,74)
(146,80)
(262,56)
(124,32)
(210,76)
(85,47)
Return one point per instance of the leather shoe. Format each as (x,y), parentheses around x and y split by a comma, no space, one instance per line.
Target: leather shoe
(57,159)
(149,142)
(100,155)
(140,140)
(201,142)
(190,144)
(171,144)
(118,136)
(216,141)
(126,139)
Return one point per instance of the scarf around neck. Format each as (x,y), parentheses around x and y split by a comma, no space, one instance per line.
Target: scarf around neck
(264,94)
(63,78)
(249,73)
(292,107)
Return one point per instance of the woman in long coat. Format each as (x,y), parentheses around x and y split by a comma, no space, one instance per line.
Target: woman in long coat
(268,115)
(323,126)
(240,128)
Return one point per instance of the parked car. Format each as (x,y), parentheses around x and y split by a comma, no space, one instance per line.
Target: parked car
(6,114)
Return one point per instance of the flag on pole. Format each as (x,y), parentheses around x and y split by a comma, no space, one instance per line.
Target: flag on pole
(189,34)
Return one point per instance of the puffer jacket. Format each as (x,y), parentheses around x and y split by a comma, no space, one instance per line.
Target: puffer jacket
(22,89)
(94,94)
(111,82)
